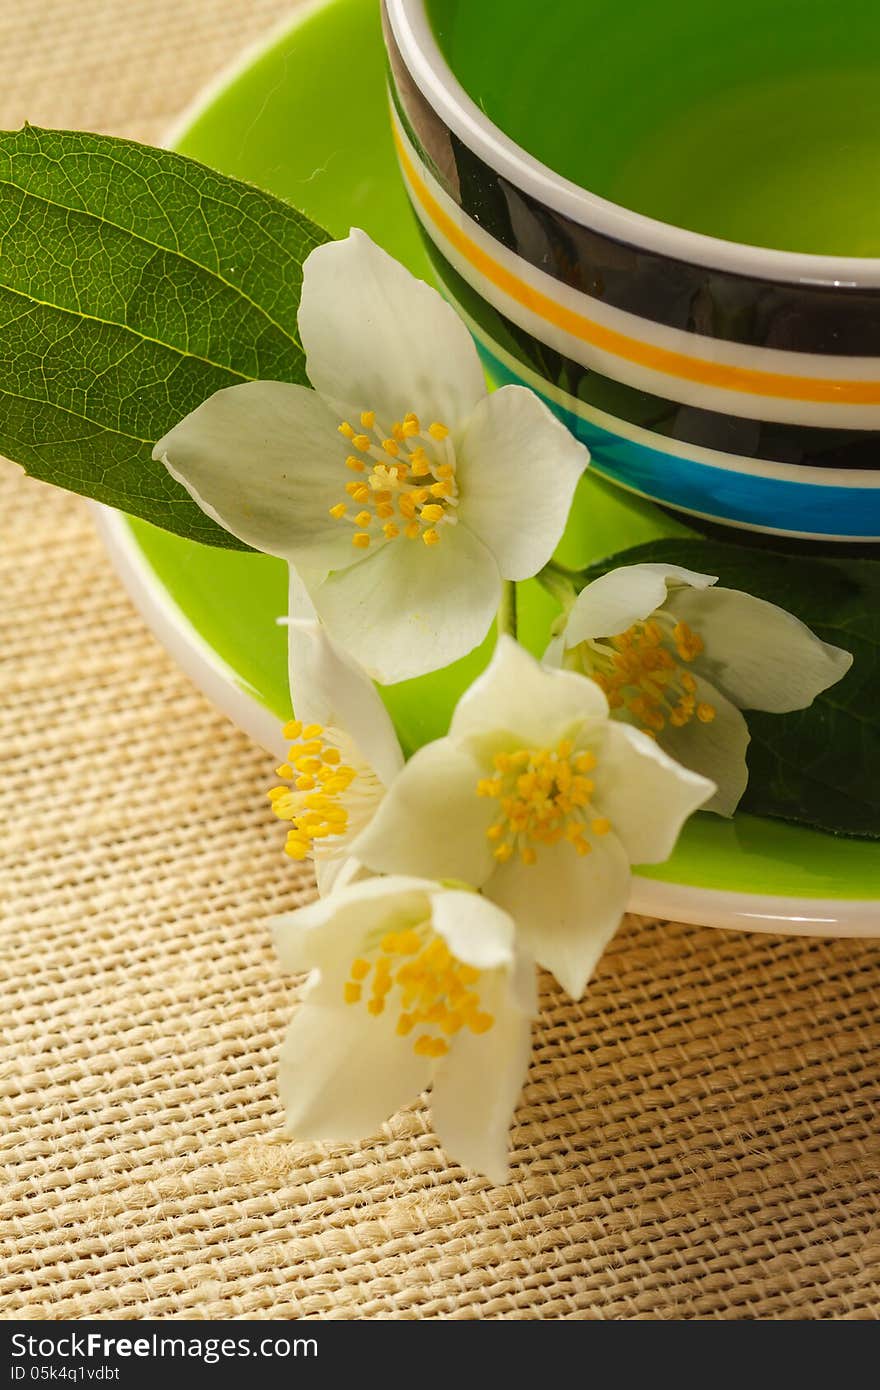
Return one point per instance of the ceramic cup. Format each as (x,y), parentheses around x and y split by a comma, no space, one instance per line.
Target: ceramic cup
(729,382)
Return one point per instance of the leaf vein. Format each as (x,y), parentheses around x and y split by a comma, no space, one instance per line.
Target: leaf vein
(125,328)
(157,246)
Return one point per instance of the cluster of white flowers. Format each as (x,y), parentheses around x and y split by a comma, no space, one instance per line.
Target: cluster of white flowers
(403,498)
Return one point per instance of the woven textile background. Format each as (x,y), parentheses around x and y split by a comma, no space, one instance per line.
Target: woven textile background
(700,1137)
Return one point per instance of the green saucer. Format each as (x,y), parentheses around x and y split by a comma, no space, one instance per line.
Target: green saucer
(308,119)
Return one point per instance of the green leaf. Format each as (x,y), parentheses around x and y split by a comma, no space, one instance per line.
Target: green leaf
(133,284)
(819,766)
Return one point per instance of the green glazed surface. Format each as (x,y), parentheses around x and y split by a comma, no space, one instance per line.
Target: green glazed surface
(753,120)
(282,125)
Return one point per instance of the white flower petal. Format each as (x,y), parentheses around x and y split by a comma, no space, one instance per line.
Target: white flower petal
(761,656)
(264,459)
(343,1071)
(474,929)
(566,907)
(518,467)
(300,609)
(329,688)
(645,794)
(376,336)
(555,653)
(326,934)
(478,1083)
(624,596)
(329,870)
(431,821)
(408,608)
(349,872)
(518,695)
(299,605)
(716,750)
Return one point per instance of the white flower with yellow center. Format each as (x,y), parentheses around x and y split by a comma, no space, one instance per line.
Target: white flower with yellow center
(540,800)
(679,658)
(401,493)
(415,984)
(342,756)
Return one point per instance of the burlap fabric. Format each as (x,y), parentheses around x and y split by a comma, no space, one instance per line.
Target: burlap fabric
(698,1138)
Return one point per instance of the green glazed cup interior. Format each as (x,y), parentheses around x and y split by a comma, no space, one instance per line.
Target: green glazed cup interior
(755,121)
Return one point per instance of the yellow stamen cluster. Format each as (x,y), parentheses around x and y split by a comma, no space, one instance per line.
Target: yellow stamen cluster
(641,671)
(404,481)
(545,798)
(433,988)
(318,779)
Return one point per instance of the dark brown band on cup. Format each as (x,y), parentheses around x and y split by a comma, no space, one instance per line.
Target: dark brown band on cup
(769,441)
(832,320)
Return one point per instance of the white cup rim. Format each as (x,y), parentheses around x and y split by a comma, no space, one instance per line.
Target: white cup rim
(438,84)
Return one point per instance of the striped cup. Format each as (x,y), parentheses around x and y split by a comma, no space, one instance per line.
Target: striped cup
(733,383)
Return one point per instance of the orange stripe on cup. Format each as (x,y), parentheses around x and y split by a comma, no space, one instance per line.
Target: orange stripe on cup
(744,379)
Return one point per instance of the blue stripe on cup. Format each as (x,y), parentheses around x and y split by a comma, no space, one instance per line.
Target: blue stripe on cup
(824,511)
